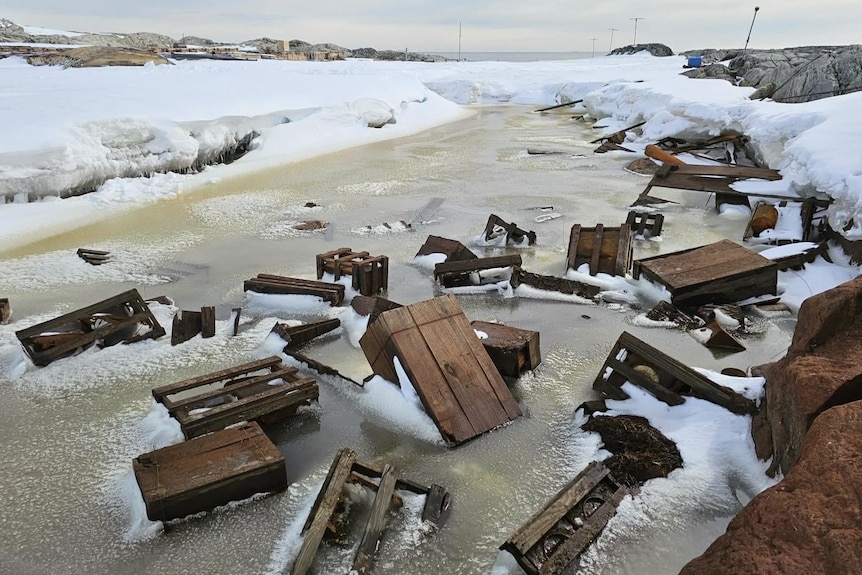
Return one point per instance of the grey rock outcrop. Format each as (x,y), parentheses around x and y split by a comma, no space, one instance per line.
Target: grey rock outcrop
(11,32)
(655,49)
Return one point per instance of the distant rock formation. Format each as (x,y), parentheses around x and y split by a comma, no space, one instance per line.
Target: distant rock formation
(11,32)
(655,49)
(97,56)
(394,55)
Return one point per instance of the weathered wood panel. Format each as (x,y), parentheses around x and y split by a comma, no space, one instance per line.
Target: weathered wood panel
(458,273)
(94,257)
(209,471)
(296,335)
(514,235)
(453,250)
(273,284)
(552,283)
(606,250)
(5,310)
(513,350)
(644,224)
(364,558)
(372,306)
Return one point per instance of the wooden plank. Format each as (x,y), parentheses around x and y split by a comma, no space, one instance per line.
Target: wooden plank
(623,259)
(472,265)
(297,335)
(553,283)
(324,506)
(229,388)
(453,250)
(5,310)
(597,249)
(364,558)
(735,171)
(574,240)
(225,374)
(371,470)
(208,322)
(437,505)
(236,315)
(655,388)
(319,367)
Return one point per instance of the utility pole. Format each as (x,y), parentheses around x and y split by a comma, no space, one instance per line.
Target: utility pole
(756,8)
(636,29)
(594,46)
(405,54)
(611,45)
(459,41)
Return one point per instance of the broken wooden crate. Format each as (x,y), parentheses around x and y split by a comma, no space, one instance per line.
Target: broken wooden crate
(187,324)
(214,401)
(457,383)
(496,226)
(722,272)
(552,283)
(665,378)
(296,335)
(645,225)
(470,272)
(123,318)
(283,285)
(209,471)
(369,274)
(606,250)
(713,179)
(94,257)
(345,469)
(453,250)
(553,539)
(513,350)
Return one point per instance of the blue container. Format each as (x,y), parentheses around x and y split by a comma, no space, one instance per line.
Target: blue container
(695,61)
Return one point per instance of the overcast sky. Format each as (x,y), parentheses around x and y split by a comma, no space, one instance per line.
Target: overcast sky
(432,25)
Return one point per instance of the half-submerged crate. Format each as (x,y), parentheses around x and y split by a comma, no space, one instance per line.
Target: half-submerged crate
(554,538)
(123,318)
(282,285)
(722,272)
(513,350)
(497,226)
(552,283)
(216,400)
(457,382)
(606,250)
(470,272)
(644,224)
(370,274)
(345,469)
(665,378)
(203,473)
(453,250)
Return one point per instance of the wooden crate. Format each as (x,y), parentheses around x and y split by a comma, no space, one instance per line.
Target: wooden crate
(203,473)
(457,382)
(646,225)
(453,250)
(553,539)
(722,272)
(370,275)
(236,394)
(124,318)
(606,250)
(512,350)
(273,284)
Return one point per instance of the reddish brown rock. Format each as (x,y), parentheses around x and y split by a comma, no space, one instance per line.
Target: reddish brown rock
(811,522)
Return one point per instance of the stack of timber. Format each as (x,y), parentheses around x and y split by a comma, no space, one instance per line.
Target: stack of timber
(123,318)
(606,250)
(209,471)
(236,394)
(552,283)
(722,272)
(665,378)
(94,257)
(645,225)
(5,310)
(370,275)
(512,350)
(273,284)
(453,250)
(345,469)
(188,324)
(469,272)
(458,384)
(553,539)
(296,335)
(496,226)
(713,179)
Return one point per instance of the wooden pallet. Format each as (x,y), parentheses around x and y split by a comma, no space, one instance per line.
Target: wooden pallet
(457,382)
(514,235)
(453,250)
(722,272)
(346,468)
(553,539)
(370,274)
(203,473)
(552,283)
(665,378)
(645,225)
(297,335)
(236,394)
(606,250)
(124,318)
(273,284)
(94,257)
(513,350)
(461,273)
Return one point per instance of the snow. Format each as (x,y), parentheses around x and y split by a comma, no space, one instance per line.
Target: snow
(38,31)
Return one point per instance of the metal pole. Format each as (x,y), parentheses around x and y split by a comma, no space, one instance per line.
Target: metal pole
(459,41)
(636,29)
(611,45)
(594,46)
(750,28)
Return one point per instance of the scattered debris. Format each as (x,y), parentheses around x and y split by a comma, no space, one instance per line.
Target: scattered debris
(714,336)
(468,272)
(453,250)
(547,218)
(457,383)
(372,306)
(123,318)
(667,379)
(514,235)
(513,350)
(611,147)
(209,471)
(553,539)
(552,283)
(725,147)
(642,167)
(617,137)
(656,153)
(370,274)
(721,272)
(5,310)
(345,469)
(296,335)
(94,257)
(713,179)
(606,250)
(564,104)
(238,396)
(644,224)
(273,284)
(667,312)
(767,223)
(188,324)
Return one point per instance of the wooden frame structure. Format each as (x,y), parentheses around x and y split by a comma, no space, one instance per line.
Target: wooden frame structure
(513,350)
(370,274)
(346,468)
(453,250)
(645,224)
(460,273)
(203,473)
(235,394)
(514,234)
(607,250)
(665,378)
(454,377)
(117,319)
(553,539)
(282,285)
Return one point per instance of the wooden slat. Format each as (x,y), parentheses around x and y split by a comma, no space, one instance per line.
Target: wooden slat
(574,239)
(208,322)
(597,249)
(624,251)
(371,470)
(437,505)
(229,373)
(364,558)
(739,172)
(185,402)
(655,388)
(472,265)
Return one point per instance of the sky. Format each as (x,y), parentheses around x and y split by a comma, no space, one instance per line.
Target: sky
(433,26)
